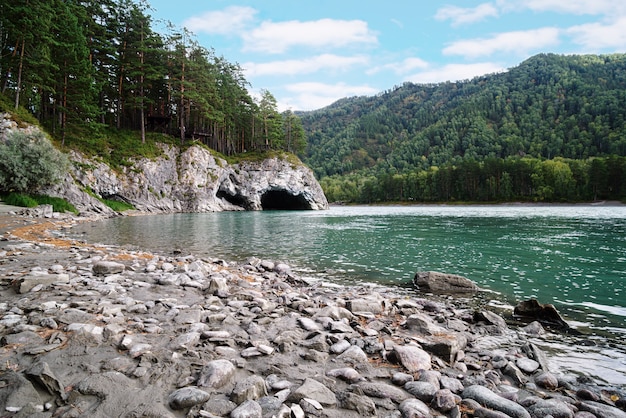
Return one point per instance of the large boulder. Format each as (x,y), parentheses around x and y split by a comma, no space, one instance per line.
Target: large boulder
(436,282)
(544,313)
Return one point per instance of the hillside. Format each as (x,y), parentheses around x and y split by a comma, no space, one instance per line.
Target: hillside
(550,106)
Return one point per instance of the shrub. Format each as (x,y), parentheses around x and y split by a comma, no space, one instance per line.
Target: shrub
(58,204)
(25,201)
(18,199)
(117,206)
(29,162)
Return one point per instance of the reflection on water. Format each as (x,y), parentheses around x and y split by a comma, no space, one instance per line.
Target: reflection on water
(571,256)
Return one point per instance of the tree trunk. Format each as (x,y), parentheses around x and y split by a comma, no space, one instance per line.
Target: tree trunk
(19,76)
(182,104)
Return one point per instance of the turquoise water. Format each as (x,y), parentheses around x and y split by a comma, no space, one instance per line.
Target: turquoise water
(571,256)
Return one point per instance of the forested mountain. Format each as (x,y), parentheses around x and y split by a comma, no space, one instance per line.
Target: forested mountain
(82,67)
(464,136)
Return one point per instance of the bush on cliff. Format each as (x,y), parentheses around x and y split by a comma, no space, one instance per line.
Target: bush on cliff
(29,161)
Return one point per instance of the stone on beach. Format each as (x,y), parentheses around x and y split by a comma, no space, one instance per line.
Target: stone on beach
(187,397)
(103,268)
(202,337)
(437,282)
(27,283)
(544,313)
(411,357)
(488,398)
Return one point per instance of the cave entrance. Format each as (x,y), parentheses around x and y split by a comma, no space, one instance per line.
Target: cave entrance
(282,200)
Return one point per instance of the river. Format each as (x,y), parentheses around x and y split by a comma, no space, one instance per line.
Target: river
(573,256)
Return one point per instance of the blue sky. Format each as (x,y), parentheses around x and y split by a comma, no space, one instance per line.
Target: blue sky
(310,53)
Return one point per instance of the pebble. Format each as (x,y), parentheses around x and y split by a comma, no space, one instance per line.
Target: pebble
(111,332)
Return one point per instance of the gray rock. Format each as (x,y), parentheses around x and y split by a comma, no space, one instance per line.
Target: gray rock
(218,286)
(17,392)
(444,400)
(383,391)
(534,328)
(547,380)
(423,324)
(601,410)
(185,341)
(187,397)
(216,373)
(401,379)
(362,404)
(544,313)
(297,411)
(339,347)
(251,388)
(424,391)
(308,324)
(248,409)
(431,376)
(491,318)
(436,282)
(41,373)
(311,407)
(354,354)
(103,268)
(534,353)
(219,405)
(347,374)
(487,398)
(445,345)
(365,305)
(25,338)
(527,365)
(451,383)
(414,408)
(515,374)
(411,357)
(27,283)
(312,389)
(550,407)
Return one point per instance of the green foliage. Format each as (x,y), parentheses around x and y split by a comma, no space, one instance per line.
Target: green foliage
(89,67)
(116,205)
(29,162)
(26,201)
(258,156)
(21,116)
(549,106)
(58,204)
(492,180)
(21,200)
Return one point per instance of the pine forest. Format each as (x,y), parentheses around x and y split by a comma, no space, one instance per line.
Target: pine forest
(87,68)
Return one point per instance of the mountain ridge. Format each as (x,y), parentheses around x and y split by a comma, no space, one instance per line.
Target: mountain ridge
(548,106)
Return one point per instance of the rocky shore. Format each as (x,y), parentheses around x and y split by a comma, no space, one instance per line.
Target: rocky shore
(98,331)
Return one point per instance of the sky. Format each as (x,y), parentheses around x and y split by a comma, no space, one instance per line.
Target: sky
(310,53)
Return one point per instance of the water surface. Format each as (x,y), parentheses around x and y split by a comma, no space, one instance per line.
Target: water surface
(571,256)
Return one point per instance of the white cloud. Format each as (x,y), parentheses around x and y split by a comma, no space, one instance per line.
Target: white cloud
(309,65)
(463,15)
(402,67)
(577,7)
(314,95)
(518,42)
(278,37)
(597,36)
(456,72)
(231,20)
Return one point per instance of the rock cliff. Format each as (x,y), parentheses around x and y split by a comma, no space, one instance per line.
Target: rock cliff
(193,180)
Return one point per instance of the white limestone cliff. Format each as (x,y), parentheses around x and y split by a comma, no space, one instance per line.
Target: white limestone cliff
(191,181)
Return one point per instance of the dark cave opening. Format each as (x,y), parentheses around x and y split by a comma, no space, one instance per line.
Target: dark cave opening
(236,200)
(282,200)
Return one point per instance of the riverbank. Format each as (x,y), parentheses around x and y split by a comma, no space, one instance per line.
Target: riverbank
(100,331)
